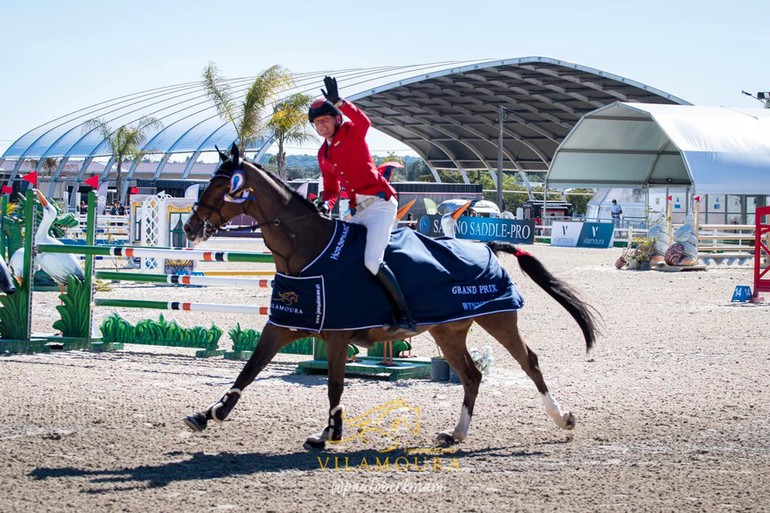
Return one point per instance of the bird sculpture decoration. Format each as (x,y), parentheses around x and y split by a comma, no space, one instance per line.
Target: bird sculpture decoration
(449,220)
(59,266)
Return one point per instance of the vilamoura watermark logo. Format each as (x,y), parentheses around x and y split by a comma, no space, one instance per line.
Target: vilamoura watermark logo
(388,429)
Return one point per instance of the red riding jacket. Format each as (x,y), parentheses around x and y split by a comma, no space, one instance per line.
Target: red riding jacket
(347,160)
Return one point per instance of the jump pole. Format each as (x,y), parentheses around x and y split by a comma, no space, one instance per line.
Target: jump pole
(139,251)
(189,307)
(238,272)
(184,279)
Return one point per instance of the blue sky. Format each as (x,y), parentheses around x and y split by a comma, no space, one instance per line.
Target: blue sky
(58,57)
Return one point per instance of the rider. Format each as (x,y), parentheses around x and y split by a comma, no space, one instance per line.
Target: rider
(344,159)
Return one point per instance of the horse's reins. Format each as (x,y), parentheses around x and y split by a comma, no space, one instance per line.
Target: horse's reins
(277,222)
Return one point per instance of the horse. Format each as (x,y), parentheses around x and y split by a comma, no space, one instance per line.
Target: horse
(296,233)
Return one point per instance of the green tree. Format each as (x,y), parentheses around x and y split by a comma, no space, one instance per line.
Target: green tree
(417,169)
(289,125)
(248,116)
(580,201)
(48,167)
(125,142)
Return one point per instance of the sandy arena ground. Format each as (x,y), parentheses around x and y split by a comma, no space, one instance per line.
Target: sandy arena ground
(671,410)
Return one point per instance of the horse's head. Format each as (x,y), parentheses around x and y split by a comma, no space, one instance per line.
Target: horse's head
(222,200)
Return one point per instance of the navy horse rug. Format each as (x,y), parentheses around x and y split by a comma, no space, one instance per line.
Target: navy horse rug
(443,280)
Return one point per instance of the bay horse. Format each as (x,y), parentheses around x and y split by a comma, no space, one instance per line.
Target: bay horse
(296,233)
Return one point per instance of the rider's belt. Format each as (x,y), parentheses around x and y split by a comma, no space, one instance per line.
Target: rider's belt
(368,200)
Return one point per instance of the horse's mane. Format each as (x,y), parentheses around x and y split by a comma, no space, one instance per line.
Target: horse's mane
(294,194)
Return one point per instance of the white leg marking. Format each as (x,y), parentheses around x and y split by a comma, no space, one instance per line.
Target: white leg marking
(554,410)
(461,431)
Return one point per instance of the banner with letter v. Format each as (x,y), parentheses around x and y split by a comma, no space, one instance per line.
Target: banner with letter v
(582,235)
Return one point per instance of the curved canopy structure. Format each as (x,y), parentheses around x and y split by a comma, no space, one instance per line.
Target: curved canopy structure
(716,150)
(447,112)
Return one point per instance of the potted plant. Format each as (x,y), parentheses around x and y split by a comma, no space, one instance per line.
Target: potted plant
(439,368)
(643,249)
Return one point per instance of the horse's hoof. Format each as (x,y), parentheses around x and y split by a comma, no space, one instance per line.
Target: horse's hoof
(314,444)
(446,439)
(570,422)
(197,422)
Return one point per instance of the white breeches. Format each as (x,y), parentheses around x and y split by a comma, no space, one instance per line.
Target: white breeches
(377,215)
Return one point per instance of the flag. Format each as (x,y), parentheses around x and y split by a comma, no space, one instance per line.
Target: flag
(7,189)
(192,191)
(102,200)
(697,199)
(93,181)
(134,190)
(31,178)
(669,198)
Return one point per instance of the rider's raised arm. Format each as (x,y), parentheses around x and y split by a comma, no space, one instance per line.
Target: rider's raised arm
(359,120)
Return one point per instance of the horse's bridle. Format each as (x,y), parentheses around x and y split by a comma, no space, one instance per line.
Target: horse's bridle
(209,228)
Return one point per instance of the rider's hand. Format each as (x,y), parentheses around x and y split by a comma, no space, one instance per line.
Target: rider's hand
(323,207)
(330,93)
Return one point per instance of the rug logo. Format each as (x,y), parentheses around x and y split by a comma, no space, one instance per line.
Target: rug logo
(387,429)
(288,298)
(340,243)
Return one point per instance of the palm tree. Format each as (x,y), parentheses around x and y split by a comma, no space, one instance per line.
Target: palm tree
(289,125)
(247,117)
(125,142)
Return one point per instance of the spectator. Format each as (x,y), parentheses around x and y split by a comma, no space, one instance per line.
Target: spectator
(615,212)
(410,222)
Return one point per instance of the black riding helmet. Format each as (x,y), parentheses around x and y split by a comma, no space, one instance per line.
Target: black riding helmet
(323,108)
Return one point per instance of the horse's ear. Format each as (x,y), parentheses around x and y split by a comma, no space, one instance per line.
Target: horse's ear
(222,155)
(235,154)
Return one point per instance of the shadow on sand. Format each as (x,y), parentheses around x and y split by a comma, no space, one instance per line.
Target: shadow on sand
(200,466)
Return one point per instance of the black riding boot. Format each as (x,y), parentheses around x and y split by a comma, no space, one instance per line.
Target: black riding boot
(402,315)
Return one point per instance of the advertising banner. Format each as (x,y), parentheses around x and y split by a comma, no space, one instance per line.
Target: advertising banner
(482,229)
(582,235)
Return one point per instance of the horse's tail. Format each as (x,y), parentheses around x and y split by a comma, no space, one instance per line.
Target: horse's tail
(563,293)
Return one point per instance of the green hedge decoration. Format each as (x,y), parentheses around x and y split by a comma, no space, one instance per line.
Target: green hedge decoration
(14,315)
(115,328)
(74,313)
(244,340)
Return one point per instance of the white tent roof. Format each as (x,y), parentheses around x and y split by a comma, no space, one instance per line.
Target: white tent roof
(718,150)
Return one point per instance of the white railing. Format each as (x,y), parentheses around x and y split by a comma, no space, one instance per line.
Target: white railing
(112,227)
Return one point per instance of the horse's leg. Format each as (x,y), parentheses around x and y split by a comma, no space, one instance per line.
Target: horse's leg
(503,327)
(336,355)
(273,338)
(451,339)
